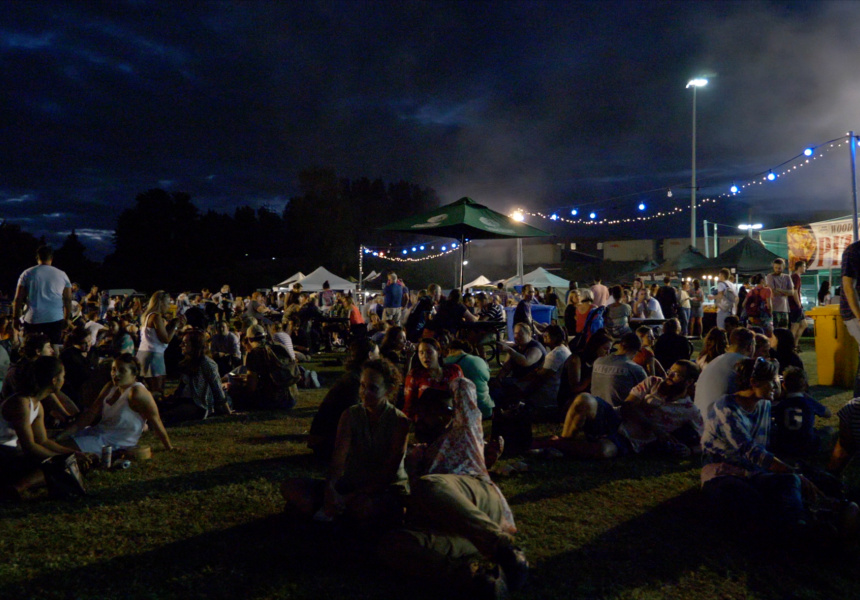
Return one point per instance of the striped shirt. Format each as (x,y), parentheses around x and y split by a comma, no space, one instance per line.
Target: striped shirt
(492,312)
(849,418)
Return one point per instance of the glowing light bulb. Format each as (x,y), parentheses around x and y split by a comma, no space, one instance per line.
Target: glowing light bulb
(808,152)
(554,217)
(733,189)
(771,176)
(669,194)
(574,212)
(413,248)
(443,248)
(404,252)
(421,247)
(641,206)
(454,245)
(592,216)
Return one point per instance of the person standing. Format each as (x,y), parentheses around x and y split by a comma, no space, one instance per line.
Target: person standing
(849,300)
(684,307)
(47,292)
(726,297)
(392,299)
(600,293)
(796,318)
(667,296)
(783,289)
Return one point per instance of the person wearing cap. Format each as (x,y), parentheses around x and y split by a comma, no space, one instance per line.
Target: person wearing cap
(255,388)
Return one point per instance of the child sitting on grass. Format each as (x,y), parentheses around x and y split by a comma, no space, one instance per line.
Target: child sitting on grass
(794,416)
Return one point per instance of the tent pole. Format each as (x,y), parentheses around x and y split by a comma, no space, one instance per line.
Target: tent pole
(707,254)
(462,258)
(360,272)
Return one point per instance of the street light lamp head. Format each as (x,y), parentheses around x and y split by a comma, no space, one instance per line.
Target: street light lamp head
(698,82)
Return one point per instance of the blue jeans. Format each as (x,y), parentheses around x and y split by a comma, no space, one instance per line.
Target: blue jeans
(684,317)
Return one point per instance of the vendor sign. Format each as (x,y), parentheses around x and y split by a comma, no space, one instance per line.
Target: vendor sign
(819,244)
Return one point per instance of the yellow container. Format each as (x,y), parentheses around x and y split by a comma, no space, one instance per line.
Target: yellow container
(835,349)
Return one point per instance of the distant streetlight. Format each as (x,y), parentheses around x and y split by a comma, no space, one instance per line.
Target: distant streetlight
(695,84)
(519,217)
(750,227)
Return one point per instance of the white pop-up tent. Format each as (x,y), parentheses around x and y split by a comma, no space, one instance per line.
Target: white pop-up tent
(287,284)
(539,278)
(479,282)
(313,281)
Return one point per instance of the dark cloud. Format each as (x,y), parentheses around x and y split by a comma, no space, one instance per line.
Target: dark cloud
(538,104)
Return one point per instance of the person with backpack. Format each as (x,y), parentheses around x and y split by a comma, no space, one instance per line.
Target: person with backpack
(726,297)
(758,304)
(270,378)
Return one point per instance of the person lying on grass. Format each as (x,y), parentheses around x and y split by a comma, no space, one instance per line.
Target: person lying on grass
(366,480)
(124,406)
(457,517)
(24,444)
(741,477)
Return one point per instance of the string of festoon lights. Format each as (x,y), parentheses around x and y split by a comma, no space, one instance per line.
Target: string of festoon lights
(401,253)
(788,167)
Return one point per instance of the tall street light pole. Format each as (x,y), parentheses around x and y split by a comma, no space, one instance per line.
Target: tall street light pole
(519,217)
(694,83)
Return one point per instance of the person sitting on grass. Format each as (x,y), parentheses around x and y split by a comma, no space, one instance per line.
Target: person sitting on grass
(476,370)
(396,348)
(576,376)
(848,441)
(342,395)
(659,413)
(615,375)
(715,345)
(366,480)
(24,442)
(645,356)
(671,346)
(122,409)
(457,516)
(741,477)
(225,348)
(544,382)
(794,415)
(199,394)
(431,373)
(524,357)
(590,430)
(59,408)
(785,351)
(256,389)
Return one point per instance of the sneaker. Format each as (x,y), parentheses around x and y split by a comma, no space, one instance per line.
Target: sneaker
(314,380)
(514,565)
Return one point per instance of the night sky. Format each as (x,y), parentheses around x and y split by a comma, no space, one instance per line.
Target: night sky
(534,104)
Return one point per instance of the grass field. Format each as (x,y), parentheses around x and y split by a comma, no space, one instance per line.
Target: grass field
(205,523)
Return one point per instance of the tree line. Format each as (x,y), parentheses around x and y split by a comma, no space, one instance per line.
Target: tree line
(165,241)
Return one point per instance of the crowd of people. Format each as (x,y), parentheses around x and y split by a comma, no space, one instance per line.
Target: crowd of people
(415,423)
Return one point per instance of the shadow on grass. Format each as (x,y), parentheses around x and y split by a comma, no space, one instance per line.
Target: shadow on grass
(261,559)
(274,469)
(660,553)
(556,478)
(274,439)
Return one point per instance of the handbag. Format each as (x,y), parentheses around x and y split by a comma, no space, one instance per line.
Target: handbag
(63,477)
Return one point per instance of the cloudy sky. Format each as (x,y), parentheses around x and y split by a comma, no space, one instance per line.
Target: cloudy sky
(544,105)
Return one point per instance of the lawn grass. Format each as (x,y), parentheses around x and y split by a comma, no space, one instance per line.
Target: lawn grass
(205,523)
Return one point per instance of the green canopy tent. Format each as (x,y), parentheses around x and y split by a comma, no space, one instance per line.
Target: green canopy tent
(690,258)
(464,220)
(745,258)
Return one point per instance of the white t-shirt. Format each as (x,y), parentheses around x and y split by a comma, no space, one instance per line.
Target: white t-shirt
(717,380)
(779,282)
(654,309)
(93,328)
(44,285)
(547,395)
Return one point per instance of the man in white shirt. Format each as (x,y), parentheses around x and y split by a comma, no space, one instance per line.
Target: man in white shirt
(718,377)
(726,297)
(647,307)
(47,292)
